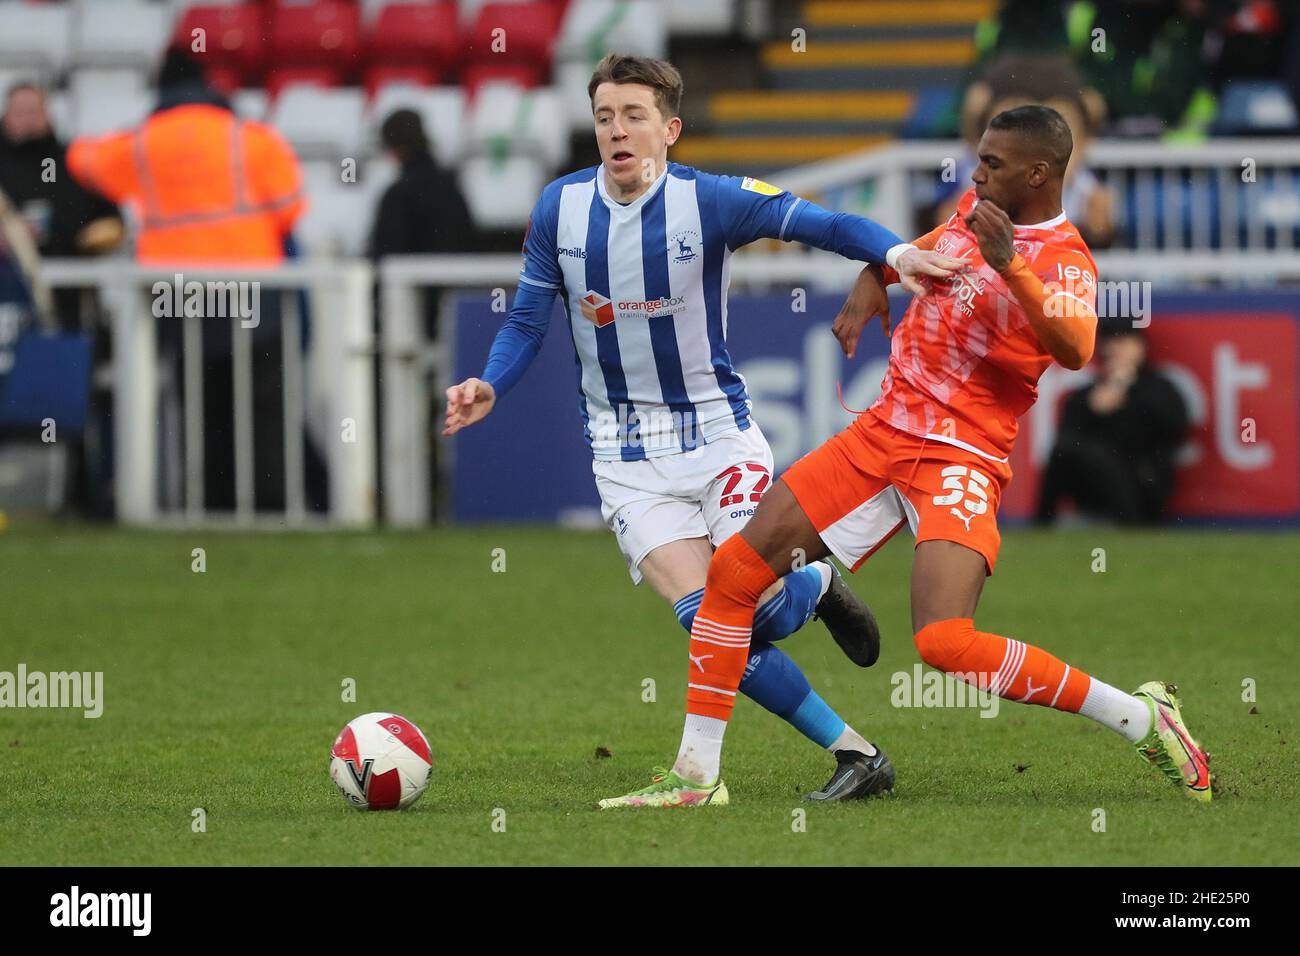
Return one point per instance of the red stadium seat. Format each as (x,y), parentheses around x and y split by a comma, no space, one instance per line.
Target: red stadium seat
(416,34)
(232,37)
(225,79)
(322,34)
(530,33)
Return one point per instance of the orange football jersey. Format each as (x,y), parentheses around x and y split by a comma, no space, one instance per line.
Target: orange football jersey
(964,363)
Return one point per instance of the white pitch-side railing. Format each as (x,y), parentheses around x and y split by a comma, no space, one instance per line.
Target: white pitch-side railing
(342,332)
(410,365)
(1171,197)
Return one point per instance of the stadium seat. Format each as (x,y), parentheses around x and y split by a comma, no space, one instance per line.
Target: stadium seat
(280,79)
(225,80)
(377,175)
(415,35)
(87,79)
(467,10)
(99,110)
(571,79)
(232,38)
(600,26)
(62,113)
(530,32)
(118,33)
(325,33)
(377,77)
(321,122)
(701,18)
(507,120)
(35,36)
(339,215)
(501,192)
(442,109)
(93,89)
(251,104)
(525,76)
(179,7)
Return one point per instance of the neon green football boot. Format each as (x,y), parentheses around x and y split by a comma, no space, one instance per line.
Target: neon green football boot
(669,790)
(1169,747)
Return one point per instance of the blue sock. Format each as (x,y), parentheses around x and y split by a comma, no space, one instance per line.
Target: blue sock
(791,607)
(775,682)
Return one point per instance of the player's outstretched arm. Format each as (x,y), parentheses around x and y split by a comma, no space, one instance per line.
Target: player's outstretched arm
(470,401)
(750,209)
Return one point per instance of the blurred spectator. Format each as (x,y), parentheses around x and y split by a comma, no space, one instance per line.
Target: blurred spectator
(64,218)
(24,299)
(34,474)
(1160,63)
(1021,79)
(1291,59)
(423,211)
(211,188)
(1114,454)
(1022,26)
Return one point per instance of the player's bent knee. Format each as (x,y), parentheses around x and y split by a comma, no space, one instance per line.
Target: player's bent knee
(942,643)
(738,571)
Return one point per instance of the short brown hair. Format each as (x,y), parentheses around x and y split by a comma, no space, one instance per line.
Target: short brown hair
(660,75)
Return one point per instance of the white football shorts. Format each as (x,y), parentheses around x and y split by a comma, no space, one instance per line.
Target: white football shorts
(710,491)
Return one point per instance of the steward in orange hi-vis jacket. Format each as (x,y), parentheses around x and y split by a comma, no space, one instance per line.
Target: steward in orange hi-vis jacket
(206,185)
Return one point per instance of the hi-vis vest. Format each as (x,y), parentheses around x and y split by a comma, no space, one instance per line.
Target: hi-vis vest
(206,185)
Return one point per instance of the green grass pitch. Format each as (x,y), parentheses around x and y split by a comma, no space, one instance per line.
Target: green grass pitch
(223,692)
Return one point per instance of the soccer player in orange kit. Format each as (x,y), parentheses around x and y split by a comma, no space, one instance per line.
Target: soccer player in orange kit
(932,452)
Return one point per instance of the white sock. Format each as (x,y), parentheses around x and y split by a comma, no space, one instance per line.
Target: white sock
(850,739)
(826,573)
(1123,713)
(700,757)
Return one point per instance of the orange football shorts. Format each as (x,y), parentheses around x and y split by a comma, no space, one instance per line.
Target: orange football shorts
(863,484)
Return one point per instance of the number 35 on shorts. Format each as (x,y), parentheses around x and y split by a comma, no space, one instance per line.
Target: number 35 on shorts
(967,496)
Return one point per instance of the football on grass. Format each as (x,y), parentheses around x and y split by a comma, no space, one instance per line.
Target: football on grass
(381,761)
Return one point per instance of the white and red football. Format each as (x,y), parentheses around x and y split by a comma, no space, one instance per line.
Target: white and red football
(381,761)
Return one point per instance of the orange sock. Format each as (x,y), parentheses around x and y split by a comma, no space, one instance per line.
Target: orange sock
(721,630)
(1009,668)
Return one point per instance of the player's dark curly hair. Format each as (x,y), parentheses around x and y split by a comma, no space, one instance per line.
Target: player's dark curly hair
(660,75)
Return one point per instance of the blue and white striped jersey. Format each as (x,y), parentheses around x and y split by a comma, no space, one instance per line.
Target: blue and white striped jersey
(644,285)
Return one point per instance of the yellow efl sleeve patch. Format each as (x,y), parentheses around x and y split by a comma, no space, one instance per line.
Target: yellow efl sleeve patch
(758,186)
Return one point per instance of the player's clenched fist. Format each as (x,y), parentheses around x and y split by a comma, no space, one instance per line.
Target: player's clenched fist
(467,403)
(994,232)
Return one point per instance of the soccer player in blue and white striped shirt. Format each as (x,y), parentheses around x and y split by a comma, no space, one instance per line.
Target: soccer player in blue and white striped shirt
(639,248)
